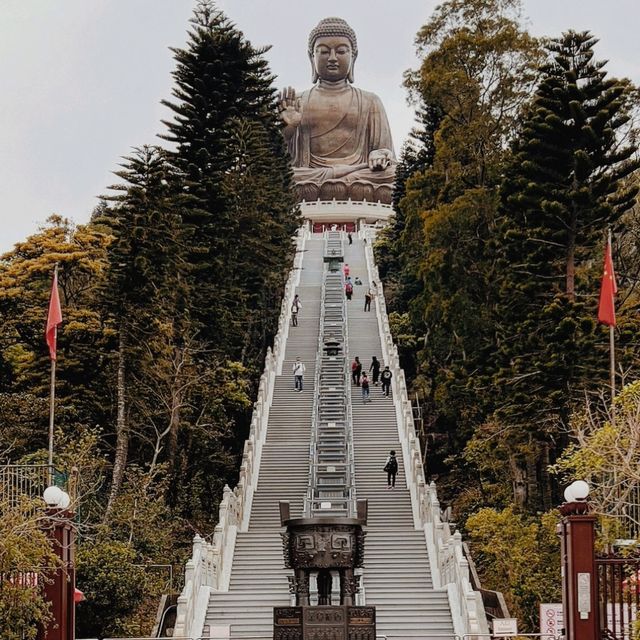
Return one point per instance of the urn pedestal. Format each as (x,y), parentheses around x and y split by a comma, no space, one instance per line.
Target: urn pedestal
(319,549)
(324,622)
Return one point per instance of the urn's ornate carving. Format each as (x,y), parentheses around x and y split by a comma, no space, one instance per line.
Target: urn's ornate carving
(324,546)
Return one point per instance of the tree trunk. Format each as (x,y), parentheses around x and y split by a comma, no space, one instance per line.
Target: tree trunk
(571,256)
(176,402)
(519,480)
(547,497)
(533,497)
(122,431)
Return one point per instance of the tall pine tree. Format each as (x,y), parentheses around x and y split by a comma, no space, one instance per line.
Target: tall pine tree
(145,290)
(563,188)
(222,80)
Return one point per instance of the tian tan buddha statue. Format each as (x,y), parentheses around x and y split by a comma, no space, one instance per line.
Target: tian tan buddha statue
(338,136)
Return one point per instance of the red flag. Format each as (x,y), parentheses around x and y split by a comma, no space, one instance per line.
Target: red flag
(608,289)
(55,316)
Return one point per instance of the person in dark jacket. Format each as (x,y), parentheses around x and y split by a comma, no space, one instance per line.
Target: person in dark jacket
(348,289)
(385,378)
(367,300)
(375,370)
(391,467)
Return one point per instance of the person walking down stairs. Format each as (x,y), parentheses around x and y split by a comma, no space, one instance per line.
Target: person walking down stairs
(364,384)
(298,374)
(348,289)
(356,371)
(296,305)
(375,369)
(391,467)
(386,380)
(367,300)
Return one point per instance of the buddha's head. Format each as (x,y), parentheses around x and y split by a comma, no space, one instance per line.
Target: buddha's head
(333,50)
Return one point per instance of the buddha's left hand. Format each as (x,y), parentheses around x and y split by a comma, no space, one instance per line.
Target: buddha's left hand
(380,159)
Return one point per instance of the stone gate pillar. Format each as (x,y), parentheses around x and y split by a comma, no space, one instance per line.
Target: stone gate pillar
(579,577)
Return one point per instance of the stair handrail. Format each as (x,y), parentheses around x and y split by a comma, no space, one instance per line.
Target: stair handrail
(206,569)
(284,320)
(349,420)
(209,567)
(450,569)
(315,408)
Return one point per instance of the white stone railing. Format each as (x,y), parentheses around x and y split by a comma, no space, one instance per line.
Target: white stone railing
(209,568)
(284,322)
(340,211)
(449,567)
(342,205)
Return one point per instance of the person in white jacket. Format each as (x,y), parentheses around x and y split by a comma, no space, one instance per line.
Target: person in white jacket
(298,374)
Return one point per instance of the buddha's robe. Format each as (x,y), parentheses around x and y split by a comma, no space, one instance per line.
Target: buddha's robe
(338,131)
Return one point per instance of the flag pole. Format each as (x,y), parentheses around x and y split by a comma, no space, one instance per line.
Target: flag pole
(612,348)
(52,399)
(52,392)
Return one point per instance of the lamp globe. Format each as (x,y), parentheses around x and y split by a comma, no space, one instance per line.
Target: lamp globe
(52,496)
(580,490)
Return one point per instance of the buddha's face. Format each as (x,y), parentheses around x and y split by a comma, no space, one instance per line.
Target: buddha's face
(332,58)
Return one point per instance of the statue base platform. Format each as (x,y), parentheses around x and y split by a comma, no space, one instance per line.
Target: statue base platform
(324,621)
(345,211)
(339,190)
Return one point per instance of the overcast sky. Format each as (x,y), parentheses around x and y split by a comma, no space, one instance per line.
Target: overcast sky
(81,80)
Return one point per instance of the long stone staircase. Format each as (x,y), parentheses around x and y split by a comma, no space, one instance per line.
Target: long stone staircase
(233,583)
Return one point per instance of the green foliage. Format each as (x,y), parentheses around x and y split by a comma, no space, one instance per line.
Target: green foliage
(231,153)
(25,284)
(521,553)
(605,452)
(477,71)
(25,555)
(113,586)
(565,183)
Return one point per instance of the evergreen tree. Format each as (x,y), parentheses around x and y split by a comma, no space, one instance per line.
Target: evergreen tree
(144,292)
(222,79)
(564,186)
(255,187)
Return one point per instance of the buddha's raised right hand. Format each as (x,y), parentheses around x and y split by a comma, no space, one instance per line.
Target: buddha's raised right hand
(290,107)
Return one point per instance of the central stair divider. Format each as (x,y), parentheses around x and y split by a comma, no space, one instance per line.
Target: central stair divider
(331,489)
